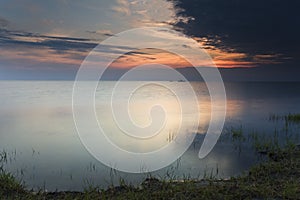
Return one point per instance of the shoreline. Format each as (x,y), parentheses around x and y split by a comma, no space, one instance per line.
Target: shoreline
(278,177)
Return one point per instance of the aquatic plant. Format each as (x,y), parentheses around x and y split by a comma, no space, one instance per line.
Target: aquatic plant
(289,118)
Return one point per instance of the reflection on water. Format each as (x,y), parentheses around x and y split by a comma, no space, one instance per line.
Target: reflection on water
(144,108)
(38,132)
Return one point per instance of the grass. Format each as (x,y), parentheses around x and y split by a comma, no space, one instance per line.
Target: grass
(10,186)
(237,134)
(289,118)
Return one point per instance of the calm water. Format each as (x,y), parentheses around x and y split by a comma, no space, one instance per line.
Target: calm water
(38,132)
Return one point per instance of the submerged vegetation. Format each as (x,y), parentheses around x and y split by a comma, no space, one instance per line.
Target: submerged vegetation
(277,177)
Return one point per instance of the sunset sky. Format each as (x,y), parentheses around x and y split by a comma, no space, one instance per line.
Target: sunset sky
(50,39)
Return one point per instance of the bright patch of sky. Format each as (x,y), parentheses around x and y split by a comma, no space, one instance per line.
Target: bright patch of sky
(90,19)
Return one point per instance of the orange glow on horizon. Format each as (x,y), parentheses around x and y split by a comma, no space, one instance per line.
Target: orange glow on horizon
(153,56)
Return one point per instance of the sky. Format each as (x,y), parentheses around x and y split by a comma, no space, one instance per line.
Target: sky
(248,40)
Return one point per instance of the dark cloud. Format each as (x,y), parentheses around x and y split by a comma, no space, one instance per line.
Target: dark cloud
(97,32)
(18,39)
(249,26)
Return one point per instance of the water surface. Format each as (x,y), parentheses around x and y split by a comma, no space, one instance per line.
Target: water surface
(38,132)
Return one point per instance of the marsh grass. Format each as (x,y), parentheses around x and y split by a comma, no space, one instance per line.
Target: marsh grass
(289,118)
(9,185)
(237,134)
